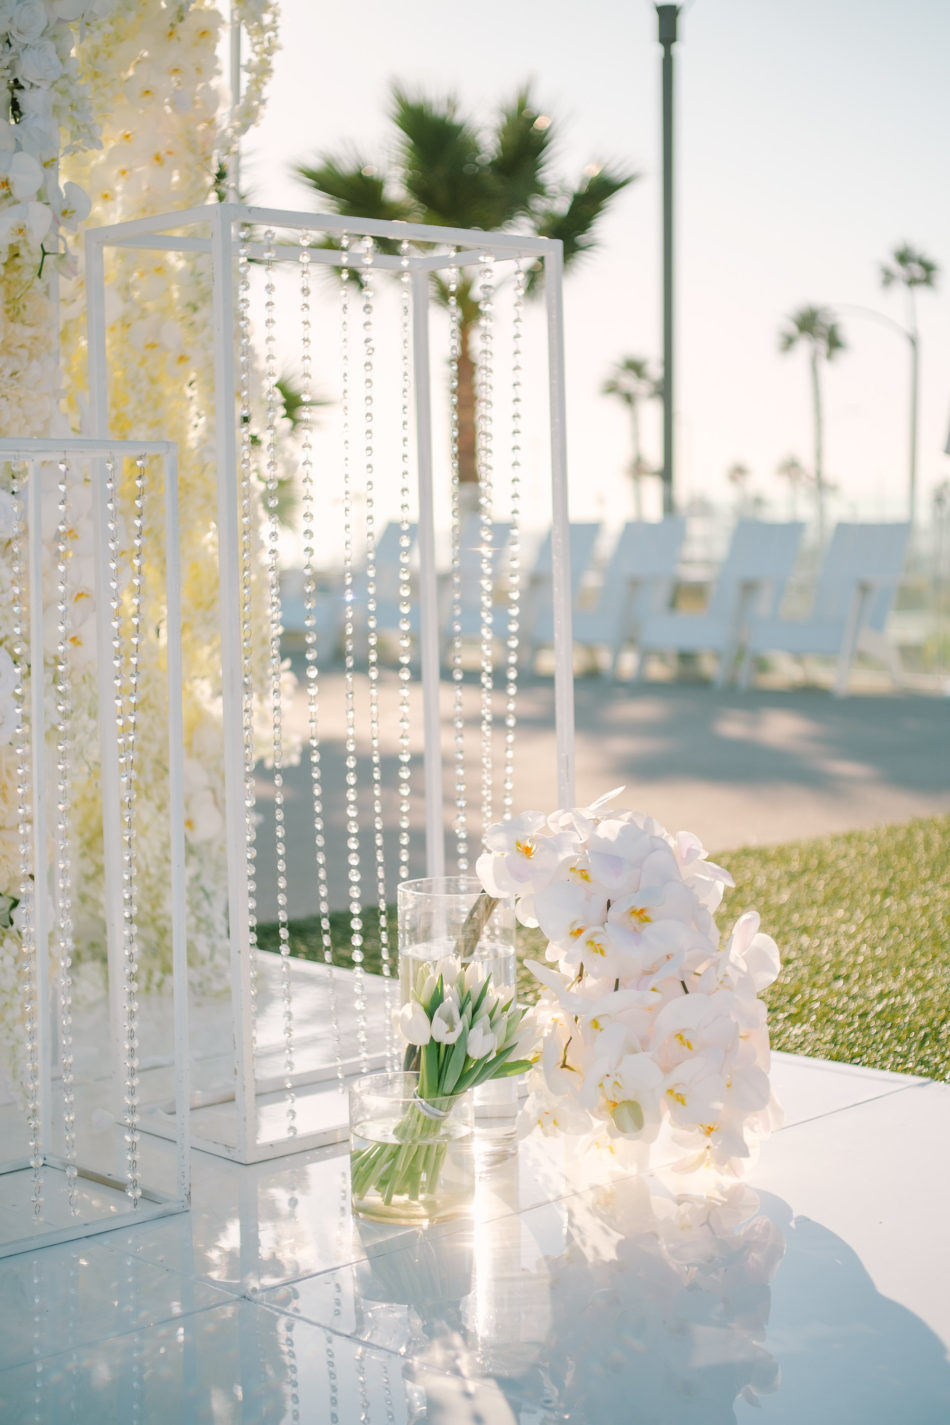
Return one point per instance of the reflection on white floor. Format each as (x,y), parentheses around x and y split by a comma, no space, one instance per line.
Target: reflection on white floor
(815,1294)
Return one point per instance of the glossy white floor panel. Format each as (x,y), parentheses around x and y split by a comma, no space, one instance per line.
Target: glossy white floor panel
(816,1293)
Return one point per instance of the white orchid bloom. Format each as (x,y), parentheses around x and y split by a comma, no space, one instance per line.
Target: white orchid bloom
(694,1092)
(25,222)
(8,514)
(555,1114)
(8,678)
(447,1022)
(616,849)
(597,950)
(414,1024)
(39,63)
(520,856)
(632,1096)
(691,1024)
(21,176)
(8,719)
(753,953)
(28,21)
(565,908)
(75,205)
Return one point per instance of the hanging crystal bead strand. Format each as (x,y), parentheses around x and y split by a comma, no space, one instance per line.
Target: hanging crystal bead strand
(349,665)
(460,821)
(125,696)
(246,536)
(311,641)
(369,449)
(512,648)
(484,434)
(405,546)
(29,970)
(272,399)
(64,871)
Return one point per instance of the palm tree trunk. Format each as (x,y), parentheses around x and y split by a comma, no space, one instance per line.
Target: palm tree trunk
(819,476)
(637,473)
(468,462)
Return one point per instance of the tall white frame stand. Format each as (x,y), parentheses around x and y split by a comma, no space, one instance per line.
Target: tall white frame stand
(429,250)
(103,1204)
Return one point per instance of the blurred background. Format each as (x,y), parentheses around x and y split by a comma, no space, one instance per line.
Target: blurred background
(810,143)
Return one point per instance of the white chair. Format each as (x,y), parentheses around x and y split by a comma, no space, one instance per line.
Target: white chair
(537,620)
(854,595)
(751,581)
(638,580)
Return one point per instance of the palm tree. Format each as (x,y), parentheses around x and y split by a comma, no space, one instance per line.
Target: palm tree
(739,475)
(912,269)
(792,470)
(815,325)
(632,381)
(449,171)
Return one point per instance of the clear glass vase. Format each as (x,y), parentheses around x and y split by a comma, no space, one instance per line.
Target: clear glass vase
(436,922)
(411,1160)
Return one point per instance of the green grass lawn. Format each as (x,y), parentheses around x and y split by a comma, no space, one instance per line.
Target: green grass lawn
(862,922)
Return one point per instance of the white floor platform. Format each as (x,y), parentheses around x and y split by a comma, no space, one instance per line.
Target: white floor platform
(827,1299)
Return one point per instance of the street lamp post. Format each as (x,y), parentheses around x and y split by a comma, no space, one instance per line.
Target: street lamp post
(667,15)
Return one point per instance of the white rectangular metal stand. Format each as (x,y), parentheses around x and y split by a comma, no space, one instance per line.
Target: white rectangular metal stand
(55,1193)
(421,253)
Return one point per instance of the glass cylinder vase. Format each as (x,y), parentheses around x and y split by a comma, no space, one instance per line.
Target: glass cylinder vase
(411,1159)
(440,917)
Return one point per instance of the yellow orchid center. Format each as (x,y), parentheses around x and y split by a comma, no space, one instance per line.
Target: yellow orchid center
(639,915)
(526,849)
(681,1039)
(709,1128)
(678,1097)
(595,946)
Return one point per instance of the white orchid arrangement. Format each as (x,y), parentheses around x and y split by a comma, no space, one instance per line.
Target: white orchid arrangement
(113,111)
(647,1019)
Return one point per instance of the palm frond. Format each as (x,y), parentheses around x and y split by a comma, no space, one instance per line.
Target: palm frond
(575,223)
(356,189)
(521,157)
(911,267)
(442,163)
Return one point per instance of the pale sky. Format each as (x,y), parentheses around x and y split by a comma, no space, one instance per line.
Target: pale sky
(812,137)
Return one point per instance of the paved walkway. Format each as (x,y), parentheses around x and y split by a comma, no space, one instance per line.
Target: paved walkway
(739,769)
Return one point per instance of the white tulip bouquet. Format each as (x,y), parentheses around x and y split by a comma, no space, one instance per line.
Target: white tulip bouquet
(460,1031)
(647,1019)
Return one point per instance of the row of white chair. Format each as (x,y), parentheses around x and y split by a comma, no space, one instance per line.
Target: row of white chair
(633,607)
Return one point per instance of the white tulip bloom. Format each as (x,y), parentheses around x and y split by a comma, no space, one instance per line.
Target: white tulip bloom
(481,1040)
(414,1024)
(446,1022)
